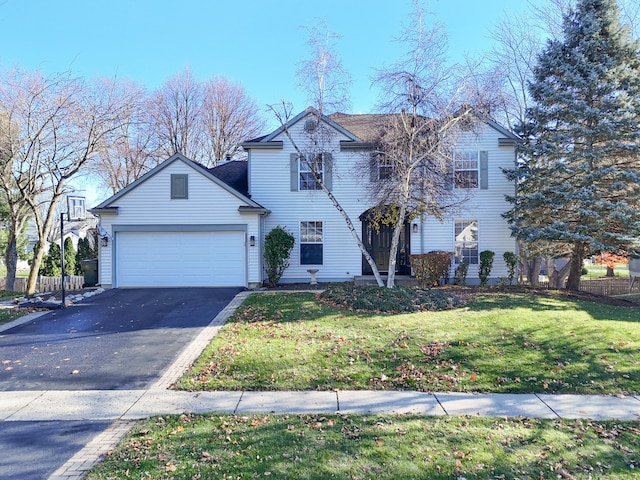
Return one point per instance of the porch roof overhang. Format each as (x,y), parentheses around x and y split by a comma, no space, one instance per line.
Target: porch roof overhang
(247,210)
(351,145)
(269,145)
(104,211)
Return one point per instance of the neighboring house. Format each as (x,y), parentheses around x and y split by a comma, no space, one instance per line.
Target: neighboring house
(185,225)
(75,230)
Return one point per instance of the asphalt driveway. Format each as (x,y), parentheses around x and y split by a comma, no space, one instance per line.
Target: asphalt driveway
(120,339)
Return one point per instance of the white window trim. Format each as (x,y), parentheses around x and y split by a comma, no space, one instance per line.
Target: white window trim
(476,241)
(303,169)
(467,169)
(311,242)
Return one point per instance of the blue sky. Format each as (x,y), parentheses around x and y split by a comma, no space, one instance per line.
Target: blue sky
(256,43)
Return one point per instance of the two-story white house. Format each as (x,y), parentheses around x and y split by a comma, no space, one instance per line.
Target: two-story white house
(185,225)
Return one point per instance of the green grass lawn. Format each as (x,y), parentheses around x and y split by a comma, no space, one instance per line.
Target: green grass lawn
(498,342)
(597,271)
(380,447)
(9,314)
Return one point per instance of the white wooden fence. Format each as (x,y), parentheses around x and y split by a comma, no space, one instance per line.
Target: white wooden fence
(47,284)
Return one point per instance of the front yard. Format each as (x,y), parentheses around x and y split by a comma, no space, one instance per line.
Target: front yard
(382,447)
(498,342)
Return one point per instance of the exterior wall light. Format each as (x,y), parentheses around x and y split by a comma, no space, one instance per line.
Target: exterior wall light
(415,228)
(105,241)
(252,240)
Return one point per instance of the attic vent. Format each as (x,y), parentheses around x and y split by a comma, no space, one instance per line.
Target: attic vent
(310,126)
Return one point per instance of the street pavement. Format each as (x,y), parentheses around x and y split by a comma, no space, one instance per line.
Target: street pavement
(97,419)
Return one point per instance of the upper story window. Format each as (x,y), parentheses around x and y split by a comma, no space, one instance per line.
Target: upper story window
(307,177)
(466,241)
(179,186)
(380,166)
(465,169)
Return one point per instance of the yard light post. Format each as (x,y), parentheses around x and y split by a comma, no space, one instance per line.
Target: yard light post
(75,211)
(62,255)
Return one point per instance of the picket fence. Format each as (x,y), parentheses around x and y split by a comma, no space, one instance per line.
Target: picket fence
(47,284)
(610,287)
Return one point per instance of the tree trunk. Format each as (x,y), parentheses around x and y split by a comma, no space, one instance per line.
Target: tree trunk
(575,269)
(533,270)
(395,239)
(11,259)
(610,272)
(552,273)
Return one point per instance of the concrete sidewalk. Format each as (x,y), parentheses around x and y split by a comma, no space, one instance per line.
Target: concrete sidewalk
(137,404)
(125,407)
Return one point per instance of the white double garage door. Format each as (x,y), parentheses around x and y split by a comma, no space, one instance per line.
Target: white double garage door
(180,258)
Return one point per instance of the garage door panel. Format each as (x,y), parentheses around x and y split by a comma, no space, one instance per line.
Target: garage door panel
(181,259)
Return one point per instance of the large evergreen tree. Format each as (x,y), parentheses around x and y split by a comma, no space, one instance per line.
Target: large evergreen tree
(579,180)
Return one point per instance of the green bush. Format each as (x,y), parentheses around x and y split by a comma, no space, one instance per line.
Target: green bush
(277,247)
(51,263)
(511,259)
(69,257)
(430,267)
(85,252)
(460,277)
(486,263)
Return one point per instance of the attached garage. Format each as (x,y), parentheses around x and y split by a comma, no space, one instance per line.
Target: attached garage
(182,225)
(180,258)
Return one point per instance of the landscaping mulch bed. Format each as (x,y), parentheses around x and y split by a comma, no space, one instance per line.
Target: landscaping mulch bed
(465,293)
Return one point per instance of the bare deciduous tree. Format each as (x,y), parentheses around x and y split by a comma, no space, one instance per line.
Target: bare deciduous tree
(130,151)
(427,105)
(57,125)
(322,76)
(325,81)
(27,113)
(229,117)
(177,117)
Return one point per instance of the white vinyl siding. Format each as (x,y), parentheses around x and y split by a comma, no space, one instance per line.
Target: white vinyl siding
(483,204)
(208,205)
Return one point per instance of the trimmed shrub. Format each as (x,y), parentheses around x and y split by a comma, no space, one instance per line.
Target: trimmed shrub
(486,264)
(277,247)
(511,259)
(460,277)
(430,268)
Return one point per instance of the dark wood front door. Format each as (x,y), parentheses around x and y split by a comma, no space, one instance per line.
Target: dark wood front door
(378,244)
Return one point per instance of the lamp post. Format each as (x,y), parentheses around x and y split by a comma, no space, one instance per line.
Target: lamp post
(75,211)
(62,255)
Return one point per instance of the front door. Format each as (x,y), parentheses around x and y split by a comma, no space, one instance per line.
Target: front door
(378,243)
(380,246)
